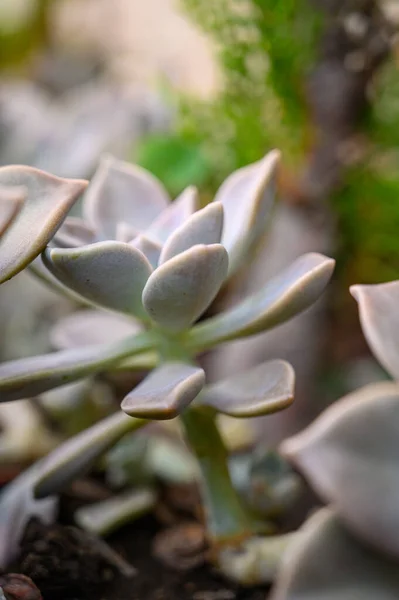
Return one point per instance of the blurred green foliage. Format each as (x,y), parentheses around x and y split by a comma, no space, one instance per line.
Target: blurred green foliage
(368,203)
(265,50)
(24,28)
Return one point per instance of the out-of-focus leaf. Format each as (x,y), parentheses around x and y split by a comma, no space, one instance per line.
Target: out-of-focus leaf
(74,232)
(379,317)
(174,216)
(121,192)
(92,328)
(324,562)
(350,457)
(74,457)
(247,196)
(28,377)
(47,202)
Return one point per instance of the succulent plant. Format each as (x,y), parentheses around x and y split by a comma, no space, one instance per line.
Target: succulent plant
(33,204)
(350,457)
(158,265)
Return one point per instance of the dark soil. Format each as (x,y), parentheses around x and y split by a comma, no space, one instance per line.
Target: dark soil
(66,565)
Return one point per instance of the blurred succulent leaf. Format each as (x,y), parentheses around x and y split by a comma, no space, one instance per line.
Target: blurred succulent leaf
(125,232)
(74,457)
(28,377)
(166,392)
(247,196)
(265,389)
(287,294)
(111,274)
(92,328)
(74,232)
(150,249)
(47,202)
(11,201)
(102,518)
(179,291)
(349,456)
(325,562)
(203,227)
(379,317)
(121,192)
(17,507)
(174,216)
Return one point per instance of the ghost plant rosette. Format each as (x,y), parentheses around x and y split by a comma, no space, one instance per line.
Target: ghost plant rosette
(156,266)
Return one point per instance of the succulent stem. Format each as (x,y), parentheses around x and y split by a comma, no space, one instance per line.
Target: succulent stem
(228,522)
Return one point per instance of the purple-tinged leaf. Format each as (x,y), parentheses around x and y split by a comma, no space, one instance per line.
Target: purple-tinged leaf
(165,393)
(180,290)
(48,200)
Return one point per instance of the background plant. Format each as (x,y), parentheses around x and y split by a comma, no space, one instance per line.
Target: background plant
(349,457)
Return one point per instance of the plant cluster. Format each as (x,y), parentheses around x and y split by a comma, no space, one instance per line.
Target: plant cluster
(154,267)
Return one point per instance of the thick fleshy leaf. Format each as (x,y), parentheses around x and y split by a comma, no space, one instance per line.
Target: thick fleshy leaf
(28,377)
(39,270)
(74,457)
(350,457)
(17,507)
(174,216)
(379,317)
(203,227)
(74,232)
(324,562)
(265,389)
(150,249)
(166,392)
(179,291)
(289,293)
(11,201)
(48,200)
(121,192)
(247,196)
(111,274)
(91,328)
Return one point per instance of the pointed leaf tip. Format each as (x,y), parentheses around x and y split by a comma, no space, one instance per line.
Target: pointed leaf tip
(203,227)
(325,561)
(165,393)
(48,200)
(248,197)
(379,318)
(349,456)
(122,192)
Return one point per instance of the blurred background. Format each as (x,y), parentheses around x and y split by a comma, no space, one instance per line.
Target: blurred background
(193,89)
